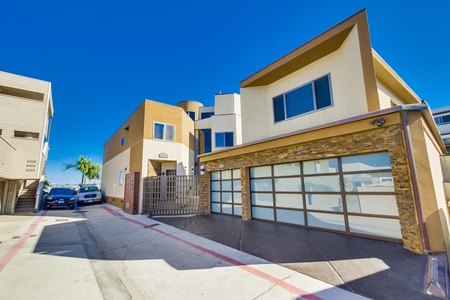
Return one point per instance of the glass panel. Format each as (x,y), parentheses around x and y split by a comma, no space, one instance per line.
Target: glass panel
(215,185)
(215,207)
(369,182)
(226,197)
(262,199)
(372,204)
(229,139)
(226,174)
(206,140)
(227,209)
(215,197)
(261,185)
(289,200)
(236,173)
(238,210)
(158,133)
(265,171)
(321,166)
(375,226)
(328,221)
(286,169)
(290,216)
(362,162)
(237,197)
(288,184)
(324,202)
(236,185)
(299,101)
(170,133)
(220,139)
(226,185)
(278,108)
(262,213)
(322,89)
(215,175)
(322,184)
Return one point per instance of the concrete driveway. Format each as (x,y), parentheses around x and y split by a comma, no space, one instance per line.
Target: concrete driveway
(98,252)
(374,269)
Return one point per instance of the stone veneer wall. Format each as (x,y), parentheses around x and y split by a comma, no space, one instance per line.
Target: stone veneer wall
(389,138)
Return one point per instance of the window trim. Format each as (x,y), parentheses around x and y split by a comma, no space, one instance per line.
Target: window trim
(314,95)
(224,139)
(164,132)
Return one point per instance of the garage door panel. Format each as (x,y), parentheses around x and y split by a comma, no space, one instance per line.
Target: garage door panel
(263,213)
(291,216)
(375,226)
(327,221)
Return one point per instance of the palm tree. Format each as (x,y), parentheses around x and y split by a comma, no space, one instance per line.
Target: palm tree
(87,169)
(93,171)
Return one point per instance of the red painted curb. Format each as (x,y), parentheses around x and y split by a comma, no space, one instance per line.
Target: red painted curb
(13,251)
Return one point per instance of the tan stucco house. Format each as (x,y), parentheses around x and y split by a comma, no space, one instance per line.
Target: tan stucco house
(333,139)
(157,139)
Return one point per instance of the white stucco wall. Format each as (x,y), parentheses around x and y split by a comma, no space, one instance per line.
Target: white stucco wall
(348,91)
(110,175)
(385,95)
(435,167)
(176,153)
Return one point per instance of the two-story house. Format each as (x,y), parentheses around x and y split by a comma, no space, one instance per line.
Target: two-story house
(157,139)
(25,117)
(333,139)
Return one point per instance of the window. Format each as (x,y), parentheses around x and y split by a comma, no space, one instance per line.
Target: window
(224,139)
(309,97)
(206,115)
(205,141)
(26,135)
(164,132)
(442,120)
(191,114)
(122,142)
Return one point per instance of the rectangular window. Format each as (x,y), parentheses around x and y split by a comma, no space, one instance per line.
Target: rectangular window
(309,97)
(164,132)
(191,115)
(206,115)
(122,142)
(224,139)
(26,135)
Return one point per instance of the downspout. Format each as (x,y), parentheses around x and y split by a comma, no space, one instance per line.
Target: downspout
(414,181)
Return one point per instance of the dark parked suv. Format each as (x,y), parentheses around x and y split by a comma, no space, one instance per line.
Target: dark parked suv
(60,197)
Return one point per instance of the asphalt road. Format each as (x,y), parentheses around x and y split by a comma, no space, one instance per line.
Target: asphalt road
(98,252)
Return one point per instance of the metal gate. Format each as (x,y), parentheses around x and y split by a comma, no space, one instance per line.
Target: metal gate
(170,195)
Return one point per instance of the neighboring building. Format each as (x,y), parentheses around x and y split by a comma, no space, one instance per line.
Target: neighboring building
(442,118)
(25,117)
(220,125)
(157,139)
(333,139)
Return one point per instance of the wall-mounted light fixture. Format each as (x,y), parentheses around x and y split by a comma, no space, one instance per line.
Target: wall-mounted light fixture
(202,170)
(379,122)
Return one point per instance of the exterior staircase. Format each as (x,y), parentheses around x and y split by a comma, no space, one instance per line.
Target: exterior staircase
(27,199)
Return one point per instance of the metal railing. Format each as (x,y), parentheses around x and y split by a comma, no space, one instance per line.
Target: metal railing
(170,195)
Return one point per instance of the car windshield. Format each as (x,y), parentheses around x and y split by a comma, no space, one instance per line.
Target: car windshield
(88,189)
(61,192)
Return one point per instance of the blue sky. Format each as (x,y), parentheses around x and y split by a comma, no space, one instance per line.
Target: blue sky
(105,57)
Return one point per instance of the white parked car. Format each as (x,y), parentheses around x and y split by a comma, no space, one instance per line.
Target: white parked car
(89,194)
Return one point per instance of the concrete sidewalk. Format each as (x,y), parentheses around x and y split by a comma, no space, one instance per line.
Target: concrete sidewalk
(374,269)
(98,252)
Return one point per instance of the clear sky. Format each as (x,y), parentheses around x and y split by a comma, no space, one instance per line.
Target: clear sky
(104,58)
